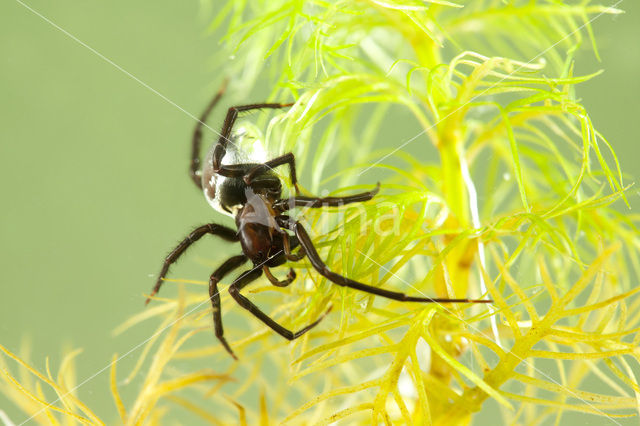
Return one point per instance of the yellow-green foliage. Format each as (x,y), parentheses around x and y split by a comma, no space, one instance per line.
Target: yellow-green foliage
(518,202)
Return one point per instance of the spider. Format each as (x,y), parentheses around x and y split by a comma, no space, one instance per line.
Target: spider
(237,180)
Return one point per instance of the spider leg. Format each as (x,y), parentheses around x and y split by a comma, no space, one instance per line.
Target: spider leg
(246,278)
(287,247)
(279,283)
(228,266)
(194,171)
(288,158)
(268,182)
(318,264)
(314,202)
(223,232)
(221,148)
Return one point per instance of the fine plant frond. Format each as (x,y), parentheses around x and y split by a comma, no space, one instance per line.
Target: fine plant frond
(28,393)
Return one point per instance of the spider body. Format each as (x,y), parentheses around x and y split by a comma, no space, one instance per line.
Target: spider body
(261,238)
(238,180)
(244,151)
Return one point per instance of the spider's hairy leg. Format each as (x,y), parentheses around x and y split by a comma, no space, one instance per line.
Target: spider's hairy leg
(316,202)
(228,266)
(318,265)
(288,158)
(245,279)
(279,283)
(223,232)
(288,246)
(221,148)
(194,169)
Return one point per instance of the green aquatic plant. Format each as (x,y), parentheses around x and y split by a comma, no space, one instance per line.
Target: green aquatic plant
(505,189)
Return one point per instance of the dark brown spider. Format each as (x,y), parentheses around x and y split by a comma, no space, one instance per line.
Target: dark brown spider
(238,181)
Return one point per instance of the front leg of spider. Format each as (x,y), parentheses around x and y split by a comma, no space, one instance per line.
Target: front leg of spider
(259,169)
(288,245)
(234,170)
(291,276)
(318,202)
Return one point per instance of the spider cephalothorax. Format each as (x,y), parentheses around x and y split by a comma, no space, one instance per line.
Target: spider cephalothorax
(238,180)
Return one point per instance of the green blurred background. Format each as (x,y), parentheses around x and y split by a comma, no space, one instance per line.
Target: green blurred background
(93,163)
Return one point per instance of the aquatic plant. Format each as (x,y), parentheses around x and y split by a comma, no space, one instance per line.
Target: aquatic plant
(506,189)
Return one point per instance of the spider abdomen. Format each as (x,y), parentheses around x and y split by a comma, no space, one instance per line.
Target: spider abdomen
(260,236)
(244,151)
